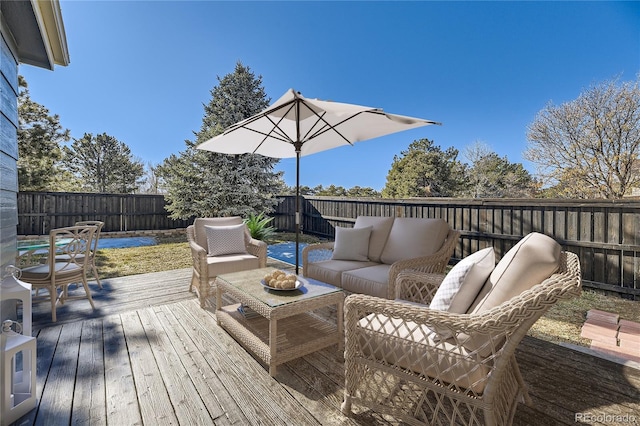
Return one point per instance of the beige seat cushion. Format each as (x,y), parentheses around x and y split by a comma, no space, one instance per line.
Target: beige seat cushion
(372,280)
(62,269)
(380,228)
(330,271)
(411,346)
(414,237)
(199,224)
(231,263)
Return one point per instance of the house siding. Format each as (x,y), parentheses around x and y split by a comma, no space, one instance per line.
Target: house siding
(8,150)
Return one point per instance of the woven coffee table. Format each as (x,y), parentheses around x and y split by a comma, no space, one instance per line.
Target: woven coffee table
(278,326)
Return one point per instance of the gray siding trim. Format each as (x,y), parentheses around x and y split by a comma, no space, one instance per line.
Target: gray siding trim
(8,65)
(8,102)
(8,149)
(8,138)
(9,173)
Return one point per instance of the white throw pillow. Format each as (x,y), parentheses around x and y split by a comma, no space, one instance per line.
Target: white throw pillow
(225,239)
(352,244)
(463,283)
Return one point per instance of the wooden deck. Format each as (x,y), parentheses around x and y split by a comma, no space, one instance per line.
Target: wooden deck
(150,355)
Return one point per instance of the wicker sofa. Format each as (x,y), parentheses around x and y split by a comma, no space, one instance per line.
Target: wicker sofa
(368,257)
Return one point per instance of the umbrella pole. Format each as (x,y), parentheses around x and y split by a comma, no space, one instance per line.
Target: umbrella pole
(298,147)
(297,218)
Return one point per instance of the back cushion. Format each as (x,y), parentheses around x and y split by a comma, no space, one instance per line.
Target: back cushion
(535,258)
(199,224)
(414,237)
(380,228)
(223,240)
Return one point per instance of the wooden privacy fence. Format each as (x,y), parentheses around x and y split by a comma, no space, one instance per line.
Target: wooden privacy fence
(605,234)
(39,212)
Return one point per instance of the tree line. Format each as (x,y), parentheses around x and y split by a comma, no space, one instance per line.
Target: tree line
(585,148)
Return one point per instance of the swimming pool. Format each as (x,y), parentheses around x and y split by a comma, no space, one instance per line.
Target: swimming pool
(285,252)
(126,242)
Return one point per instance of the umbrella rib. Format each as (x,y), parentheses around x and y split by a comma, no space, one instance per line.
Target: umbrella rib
(280,134)
(325,129)
(334,127)
(277,136)
(256,117)
(276,132)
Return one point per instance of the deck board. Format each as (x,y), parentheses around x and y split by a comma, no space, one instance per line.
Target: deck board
(89,394)
(149,355)
(197,370)
(120,392)
(153,395)
(58,397)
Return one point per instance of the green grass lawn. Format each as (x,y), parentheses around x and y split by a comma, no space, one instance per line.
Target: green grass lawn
(561,324)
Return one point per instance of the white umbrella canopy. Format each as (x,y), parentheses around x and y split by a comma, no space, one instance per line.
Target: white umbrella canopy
(296,126)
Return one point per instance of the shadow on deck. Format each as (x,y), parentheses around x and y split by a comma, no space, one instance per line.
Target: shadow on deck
(150,355)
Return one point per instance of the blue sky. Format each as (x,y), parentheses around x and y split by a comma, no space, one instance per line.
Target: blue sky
(141,71)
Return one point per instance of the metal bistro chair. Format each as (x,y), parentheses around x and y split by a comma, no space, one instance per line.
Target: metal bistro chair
(93,250)
(55,274)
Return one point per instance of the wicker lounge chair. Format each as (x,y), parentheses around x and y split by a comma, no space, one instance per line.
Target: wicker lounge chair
(427,366)
(214,256)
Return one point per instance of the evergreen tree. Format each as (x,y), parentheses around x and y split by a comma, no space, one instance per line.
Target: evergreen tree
(207,184)
(424,170)
(332,191)
(40,137)
(358,191)
(304,190)
(103,164)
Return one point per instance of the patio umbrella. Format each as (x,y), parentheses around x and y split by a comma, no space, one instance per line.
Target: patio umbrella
(295,126)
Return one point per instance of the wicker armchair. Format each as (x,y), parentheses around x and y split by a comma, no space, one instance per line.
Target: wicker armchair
(206,267)
(426,366)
